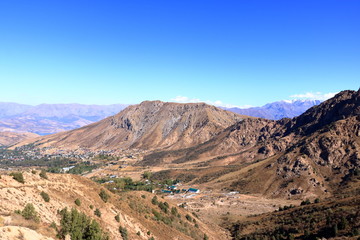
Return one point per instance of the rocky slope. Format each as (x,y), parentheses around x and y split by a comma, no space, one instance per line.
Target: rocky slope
(135,210)
(305,156)
(10,138)
(149,125)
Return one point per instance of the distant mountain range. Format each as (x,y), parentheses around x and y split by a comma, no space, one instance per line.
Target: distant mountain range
(47,119)
(278,110)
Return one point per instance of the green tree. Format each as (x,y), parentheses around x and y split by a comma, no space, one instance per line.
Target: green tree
(79,226)
(29,213)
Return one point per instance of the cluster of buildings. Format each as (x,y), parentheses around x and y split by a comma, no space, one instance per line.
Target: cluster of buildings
(174,190)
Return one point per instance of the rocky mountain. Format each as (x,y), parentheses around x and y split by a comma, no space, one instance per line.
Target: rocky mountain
(46,119)
(309,155)
(10,138)
(149,125)
(313,154)
(278,110)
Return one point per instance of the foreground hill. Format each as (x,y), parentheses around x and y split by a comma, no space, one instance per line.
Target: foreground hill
(149,125)
(133,211)
(46,119)
(10,138)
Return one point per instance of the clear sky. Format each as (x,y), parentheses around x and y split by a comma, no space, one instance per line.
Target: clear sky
(240,52)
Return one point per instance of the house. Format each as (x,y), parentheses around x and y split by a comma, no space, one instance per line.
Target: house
(166,191)
(66,169)
(173,187)
(193,190)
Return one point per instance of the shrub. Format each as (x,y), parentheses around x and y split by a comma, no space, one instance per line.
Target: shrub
(146,175)
(306,202)
(18,176)
(33,171)
(188,217)
(79,226)
(29,213)
(154,200)
(206,237)
(43,174)
(77,202)
(97,212)
(45,196)
(123,233)
(138,233)
(174,211)
(91,207)
(104,196)
(143,196)
(53,225)
(317,200)
(117,218)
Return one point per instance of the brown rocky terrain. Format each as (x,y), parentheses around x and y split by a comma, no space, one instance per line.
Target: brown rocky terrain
(10,138)
(309,155)
(306,156)
(135,210)
(149,125)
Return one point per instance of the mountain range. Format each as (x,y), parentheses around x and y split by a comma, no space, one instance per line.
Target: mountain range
(277,110)
(47,119)
(310,154)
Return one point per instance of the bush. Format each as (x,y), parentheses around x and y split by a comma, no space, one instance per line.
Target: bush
(77,202)
(154,200)
(188,217)
(45,196)
(79,226)
(91,207)
(123,233)
(146,175)
(29,213)
(43,174)
(117,218)
(104,196)
(18,176)
(306,202)
(97,212)
(174,211)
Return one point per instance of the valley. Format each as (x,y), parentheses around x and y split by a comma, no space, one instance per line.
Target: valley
(232,176)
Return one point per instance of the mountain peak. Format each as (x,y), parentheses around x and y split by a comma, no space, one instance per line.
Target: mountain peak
(151,125)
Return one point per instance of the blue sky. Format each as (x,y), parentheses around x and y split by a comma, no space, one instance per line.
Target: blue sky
(237,52)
